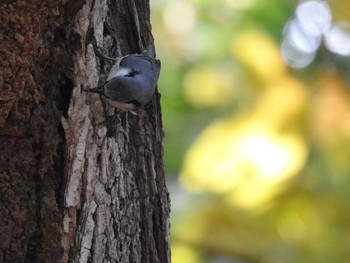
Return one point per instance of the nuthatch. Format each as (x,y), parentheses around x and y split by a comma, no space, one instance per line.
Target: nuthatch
(131,81)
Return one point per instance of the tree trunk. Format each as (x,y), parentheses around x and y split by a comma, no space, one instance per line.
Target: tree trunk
(75,184)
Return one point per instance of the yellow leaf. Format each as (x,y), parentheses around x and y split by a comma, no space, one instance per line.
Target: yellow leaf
(260,53)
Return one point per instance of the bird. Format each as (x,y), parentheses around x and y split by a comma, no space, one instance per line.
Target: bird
(131,81)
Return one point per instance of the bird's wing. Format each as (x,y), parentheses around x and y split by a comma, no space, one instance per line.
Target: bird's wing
(124,89)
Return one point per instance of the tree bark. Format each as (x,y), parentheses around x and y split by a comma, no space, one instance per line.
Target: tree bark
(75,184)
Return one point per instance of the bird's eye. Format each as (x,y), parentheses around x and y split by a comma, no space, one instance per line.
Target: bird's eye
(132,74)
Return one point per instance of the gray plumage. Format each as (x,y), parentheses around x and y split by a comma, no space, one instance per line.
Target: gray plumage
(132,80)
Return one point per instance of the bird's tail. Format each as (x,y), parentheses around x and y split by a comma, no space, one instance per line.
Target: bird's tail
(150,51)
(98,90)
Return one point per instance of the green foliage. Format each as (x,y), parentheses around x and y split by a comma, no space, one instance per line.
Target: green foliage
(261,149)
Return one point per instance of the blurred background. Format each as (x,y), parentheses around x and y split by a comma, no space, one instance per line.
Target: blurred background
(256,113)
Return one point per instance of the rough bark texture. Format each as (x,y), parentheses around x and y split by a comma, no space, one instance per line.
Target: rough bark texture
(76,185)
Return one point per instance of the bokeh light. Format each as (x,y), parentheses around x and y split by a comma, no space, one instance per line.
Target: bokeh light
(304,32)
(338,39)
(179,18)
(256,114)
(314,17)
(206,86)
